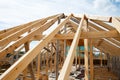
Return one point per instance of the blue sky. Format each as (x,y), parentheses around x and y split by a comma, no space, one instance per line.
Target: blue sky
(15,12)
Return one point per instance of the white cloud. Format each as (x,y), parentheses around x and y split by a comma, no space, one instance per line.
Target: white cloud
(106,7)
(15,12)
(117,0)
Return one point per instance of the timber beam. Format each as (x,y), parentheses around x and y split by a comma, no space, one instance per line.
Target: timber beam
(98,29)
(27,38)
(100,34)
(17,32)
(65,71)
(23,62)
(109,48)
(116,23)
(103,24)
(91,17)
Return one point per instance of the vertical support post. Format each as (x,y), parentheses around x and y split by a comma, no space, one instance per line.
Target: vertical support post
(76,59)
(26,45)
(108,61)
(57,58)
(17,55)
(86,51)
(79,57)
(31,71)
(12,58)
(24,74)
(86,58)
(65,41)
(60,55)
(100,58)
(91,62)
(104,58)
(55,61)
(38,67)
(47,60)
(41,61)
(57,53)
(30,65)
(44,64)
(51,61)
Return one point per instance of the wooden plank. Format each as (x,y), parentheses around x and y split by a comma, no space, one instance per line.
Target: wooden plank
(9,38)
(38,66)
(65,71)
(118,39)
(65,45)
(79,58)
(91,24)
(57,55)
(101,23)
(54,63)
(47,58)
(7,32)
(30,68)
(26,45)
(85,29)
(114,41)
(100,34)
(101,59)
(76,57)
(86,58)
(25,74)
(95,17)
(91,61)
(107,47)
(51,57)
(26,38)
(17,28)
(46,66)
(94,26)
(72,24)
(87,35)
(109,27)
(100,29)
(100,18)
(116,24)
(16,68)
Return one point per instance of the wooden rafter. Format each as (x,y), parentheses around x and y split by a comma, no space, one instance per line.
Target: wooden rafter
(16,68)
(100,29)
(18,28)
(75,30)
(20,32)
(91,61)
(101,34)
(113,50)
(116,23)
(27,38)
(103,24)
(64,74)
(100,18)
(86,55)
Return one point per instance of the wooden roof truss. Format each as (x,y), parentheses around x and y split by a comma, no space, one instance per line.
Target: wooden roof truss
(103,31)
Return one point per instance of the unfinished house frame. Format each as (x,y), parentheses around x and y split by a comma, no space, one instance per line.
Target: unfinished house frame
(54,35)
